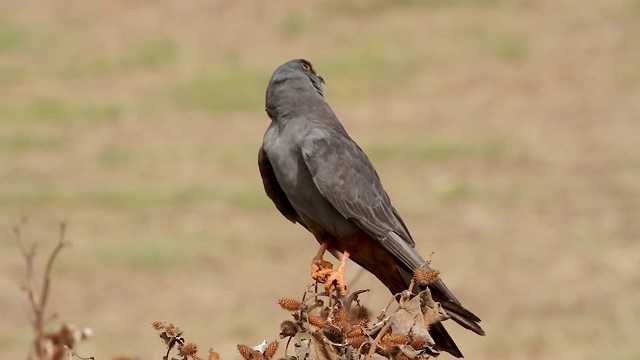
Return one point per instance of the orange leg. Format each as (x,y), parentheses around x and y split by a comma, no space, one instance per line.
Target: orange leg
(321,251)
(320,269)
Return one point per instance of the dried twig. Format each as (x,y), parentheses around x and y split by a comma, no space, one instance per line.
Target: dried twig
(376,341)
(72,353)
(38,302)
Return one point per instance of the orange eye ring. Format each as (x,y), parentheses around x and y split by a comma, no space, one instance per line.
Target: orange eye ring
(306,66)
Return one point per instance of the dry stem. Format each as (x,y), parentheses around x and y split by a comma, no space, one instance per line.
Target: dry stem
(39,303)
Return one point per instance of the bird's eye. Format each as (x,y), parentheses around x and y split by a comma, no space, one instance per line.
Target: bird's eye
(306,66)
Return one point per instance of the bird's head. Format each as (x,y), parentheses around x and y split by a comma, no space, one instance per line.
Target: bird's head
(293,83)
(297,68)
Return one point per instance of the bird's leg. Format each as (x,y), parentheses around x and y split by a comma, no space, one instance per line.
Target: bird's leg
(338,276)
(320,268)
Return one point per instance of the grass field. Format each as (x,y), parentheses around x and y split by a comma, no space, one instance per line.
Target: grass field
(506,132)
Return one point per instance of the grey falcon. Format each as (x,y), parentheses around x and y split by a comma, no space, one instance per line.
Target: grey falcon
(317,176)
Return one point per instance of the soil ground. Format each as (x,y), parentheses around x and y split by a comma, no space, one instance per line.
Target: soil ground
(507,133)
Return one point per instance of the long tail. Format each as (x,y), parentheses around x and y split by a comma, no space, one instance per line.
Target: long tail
(462,316)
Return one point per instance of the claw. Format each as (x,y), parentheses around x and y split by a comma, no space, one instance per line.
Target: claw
(338,276)
(320,270)
(323,273)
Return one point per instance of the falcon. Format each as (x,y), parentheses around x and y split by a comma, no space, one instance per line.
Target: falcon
(318,177)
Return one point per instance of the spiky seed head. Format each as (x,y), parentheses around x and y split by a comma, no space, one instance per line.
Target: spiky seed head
(333,333)
(171,329)
(290,304)
(342,315)
(288,328)
(357,341)
(257,355)
(188,349)
(316,321)
(359,315)
(387,344)
(382,350)
(245,351)
(341,319)
(398,339)
(213,355)
(157,325)
(355,332)
(418,342)
(424,277)
(270,350)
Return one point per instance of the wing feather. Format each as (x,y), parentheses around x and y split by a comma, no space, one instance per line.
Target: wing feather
(274,191)
(346,178)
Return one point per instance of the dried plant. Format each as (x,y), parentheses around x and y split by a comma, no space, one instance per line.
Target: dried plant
(171,335)
(335,326)
(424,277)
(53,345)
(329,325)
(325,325)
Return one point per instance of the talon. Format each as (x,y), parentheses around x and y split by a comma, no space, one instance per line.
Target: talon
(320,268)
(322,271)
(337,276)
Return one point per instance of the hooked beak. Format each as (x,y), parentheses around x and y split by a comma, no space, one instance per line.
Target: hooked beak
(320,77)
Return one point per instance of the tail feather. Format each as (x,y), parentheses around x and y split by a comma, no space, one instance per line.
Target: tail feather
(443,340)
(462,316)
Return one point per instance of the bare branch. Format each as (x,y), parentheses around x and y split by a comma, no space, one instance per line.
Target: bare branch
(72,353)
(44,294)
(38,304)
(376,341)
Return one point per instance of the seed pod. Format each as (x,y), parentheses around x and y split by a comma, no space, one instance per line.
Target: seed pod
(316,321)
(270,350)
(418,342)
(245,351)
(290,304)
(287,329)
(357,331)
(213,355)
(189,349)
(424,277)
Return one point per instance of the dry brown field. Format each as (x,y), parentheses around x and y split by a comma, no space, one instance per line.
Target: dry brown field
(507,133)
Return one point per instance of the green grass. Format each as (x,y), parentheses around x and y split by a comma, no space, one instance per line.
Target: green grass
(360,8)
(51,109)
(365,69)
(299,23)
(232,88)
(240,155)
(435,149)
(150,54)
(137,197)
(12,75)
(27,142)
(12,37)
(505,44)
(144,254)
(153,53)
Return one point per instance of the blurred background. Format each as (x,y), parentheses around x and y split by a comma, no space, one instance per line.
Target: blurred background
(507,134)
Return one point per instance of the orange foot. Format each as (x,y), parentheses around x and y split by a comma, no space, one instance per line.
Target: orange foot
(322,271)
(337,276)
